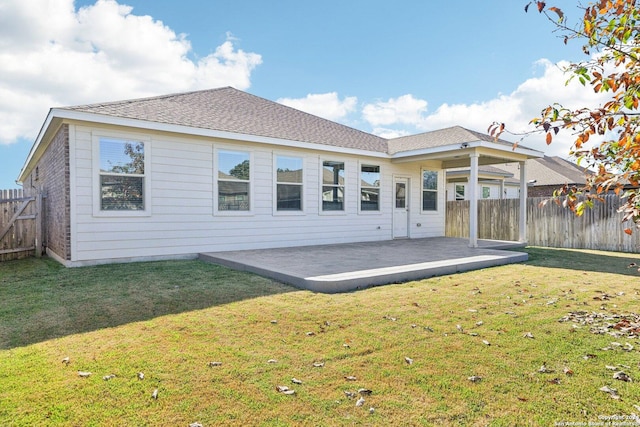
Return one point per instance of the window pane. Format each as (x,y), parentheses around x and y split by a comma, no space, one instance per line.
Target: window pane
(333,173)
(370,176)
(369,199)
(233,196)
(401,195)
(289,197)
(125,157)
(486,192)
(459,192)
(429,180)
(332,198)
(289,169)
(233,165)
(429,200)
(119,193)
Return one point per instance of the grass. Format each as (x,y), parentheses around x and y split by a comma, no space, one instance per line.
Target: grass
(170,319)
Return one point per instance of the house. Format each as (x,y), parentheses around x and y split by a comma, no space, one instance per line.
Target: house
(217,170)
(544,175)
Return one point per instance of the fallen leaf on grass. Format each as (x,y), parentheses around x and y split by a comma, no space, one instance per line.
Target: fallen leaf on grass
(475,379)
(459,327)
(310,333)
(360,402)
(84,374)
(544,370)
(350,394)
(622,376)
(108,377)
(66,360)
(364,391)
(212,364)
(273,322)
(154,395)
(485,342)
(350,378)
(285,390)
(523,399)
(567,371)
(611,391)
(589,356)
(318,364)
(372,410)
(479,323)
(140,375)
(408,360)
(528,335)
(555,381)
(611,368)
(196,424)
(272,361)
(296,381)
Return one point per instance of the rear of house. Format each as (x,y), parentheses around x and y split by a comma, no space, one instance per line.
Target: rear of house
(220,170)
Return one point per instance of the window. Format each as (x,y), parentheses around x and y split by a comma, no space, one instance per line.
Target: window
(234,178)
(288,183)
(486,192)
(332,186)
(459,192)
(122,175)
(369,188)
(429,191)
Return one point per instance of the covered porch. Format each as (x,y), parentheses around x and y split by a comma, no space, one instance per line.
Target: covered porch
(352,266)
(458,147)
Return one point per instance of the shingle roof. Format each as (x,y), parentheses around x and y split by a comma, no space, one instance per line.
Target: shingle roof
(550,170)
(231,110)
(439,138)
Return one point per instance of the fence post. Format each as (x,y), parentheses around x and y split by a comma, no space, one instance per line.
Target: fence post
(39,225)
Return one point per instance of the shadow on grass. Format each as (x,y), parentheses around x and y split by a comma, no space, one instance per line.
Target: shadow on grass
(601,262)
(41,300)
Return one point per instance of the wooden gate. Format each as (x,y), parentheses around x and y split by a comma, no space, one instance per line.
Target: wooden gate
(20,225)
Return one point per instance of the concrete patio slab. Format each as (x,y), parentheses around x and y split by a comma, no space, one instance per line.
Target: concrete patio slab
(350,266)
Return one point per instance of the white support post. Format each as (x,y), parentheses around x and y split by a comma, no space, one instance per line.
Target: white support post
(522,231)
(502,195)
(473,201)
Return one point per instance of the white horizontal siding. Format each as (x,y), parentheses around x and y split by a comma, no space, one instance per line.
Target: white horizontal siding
(182,220)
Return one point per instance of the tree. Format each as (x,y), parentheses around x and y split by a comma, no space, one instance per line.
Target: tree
(610,31)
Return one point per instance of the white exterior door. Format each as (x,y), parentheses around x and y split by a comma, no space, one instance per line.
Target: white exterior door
(400,207)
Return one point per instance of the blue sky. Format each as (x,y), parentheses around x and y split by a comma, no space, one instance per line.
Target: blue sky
(390,68)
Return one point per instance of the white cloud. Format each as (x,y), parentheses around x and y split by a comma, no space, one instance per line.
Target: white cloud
(519,107)
(405,109)
(52,54)
(408,114)
(326,105)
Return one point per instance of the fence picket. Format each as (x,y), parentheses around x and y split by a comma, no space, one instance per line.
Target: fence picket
(549,225)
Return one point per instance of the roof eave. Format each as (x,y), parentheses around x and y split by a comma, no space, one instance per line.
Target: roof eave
(467,147)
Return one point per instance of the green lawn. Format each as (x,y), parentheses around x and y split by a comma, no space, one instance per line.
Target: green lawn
(170,319)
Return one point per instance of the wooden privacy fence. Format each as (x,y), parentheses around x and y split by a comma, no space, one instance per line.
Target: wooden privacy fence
(20,225)
(550,225)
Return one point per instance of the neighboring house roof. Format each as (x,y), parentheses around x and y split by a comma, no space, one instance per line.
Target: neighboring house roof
(438,138)
(231,110)
(549,170)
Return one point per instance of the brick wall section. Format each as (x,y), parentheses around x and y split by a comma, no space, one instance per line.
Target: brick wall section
(51,176)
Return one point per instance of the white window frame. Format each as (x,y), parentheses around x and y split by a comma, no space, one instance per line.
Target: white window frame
(216,210)
(321,209)
(302,184)
(97,190)
(436,191)
(360,187)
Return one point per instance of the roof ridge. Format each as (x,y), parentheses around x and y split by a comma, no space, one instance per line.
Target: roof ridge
(146,98)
